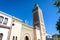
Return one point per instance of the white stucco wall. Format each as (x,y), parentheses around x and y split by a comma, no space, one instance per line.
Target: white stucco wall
(7,16)
(42,25)
(4,28)
(38,34)
(27,31)
(16,30)
(5,33)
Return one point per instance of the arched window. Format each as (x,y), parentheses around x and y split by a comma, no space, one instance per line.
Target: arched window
(1,35)
(26,38)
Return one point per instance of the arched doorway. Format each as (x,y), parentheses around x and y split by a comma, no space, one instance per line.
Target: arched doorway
(26,38)
(1,35)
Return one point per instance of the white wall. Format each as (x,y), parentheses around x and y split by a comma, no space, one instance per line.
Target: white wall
(5,33)
(16,30)
(27,31)
(38,34)
(9,18)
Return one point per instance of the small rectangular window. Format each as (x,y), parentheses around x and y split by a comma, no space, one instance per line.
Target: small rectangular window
(13,37)
(1,19)
(5,21)
(16,37)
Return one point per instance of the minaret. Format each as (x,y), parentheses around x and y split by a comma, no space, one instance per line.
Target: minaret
(38,24)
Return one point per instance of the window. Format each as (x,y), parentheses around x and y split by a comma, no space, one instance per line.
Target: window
(5,21)
(1,19)
(1,35)
(14,37)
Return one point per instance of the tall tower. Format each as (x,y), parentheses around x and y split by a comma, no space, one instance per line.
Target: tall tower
(38,24)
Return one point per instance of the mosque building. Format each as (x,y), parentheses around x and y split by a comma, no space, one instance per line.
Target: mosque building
(12,28)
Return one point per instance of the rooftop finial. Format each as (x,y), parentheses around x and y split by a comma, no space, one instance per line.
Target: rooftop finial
(36,5)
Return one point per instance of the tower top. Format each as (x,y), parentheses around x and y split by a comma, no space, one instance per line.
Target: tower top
(36,5)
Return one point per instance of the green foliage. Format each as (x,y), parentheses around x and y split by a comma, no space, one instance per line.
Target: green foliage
(56,39)
(58,25)
(58,36)
(57,4)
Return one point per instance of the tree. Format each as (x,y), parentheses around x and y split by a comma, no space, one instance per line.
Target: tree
(57,4)
(58,25)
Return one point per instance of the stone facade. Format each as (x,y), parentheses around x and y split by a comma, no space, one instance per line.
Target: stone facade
(12,28)
(38,24)
(27,31)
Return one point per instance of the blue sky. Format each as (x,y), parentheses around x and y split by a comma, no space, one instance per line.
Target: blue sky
(23,9)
